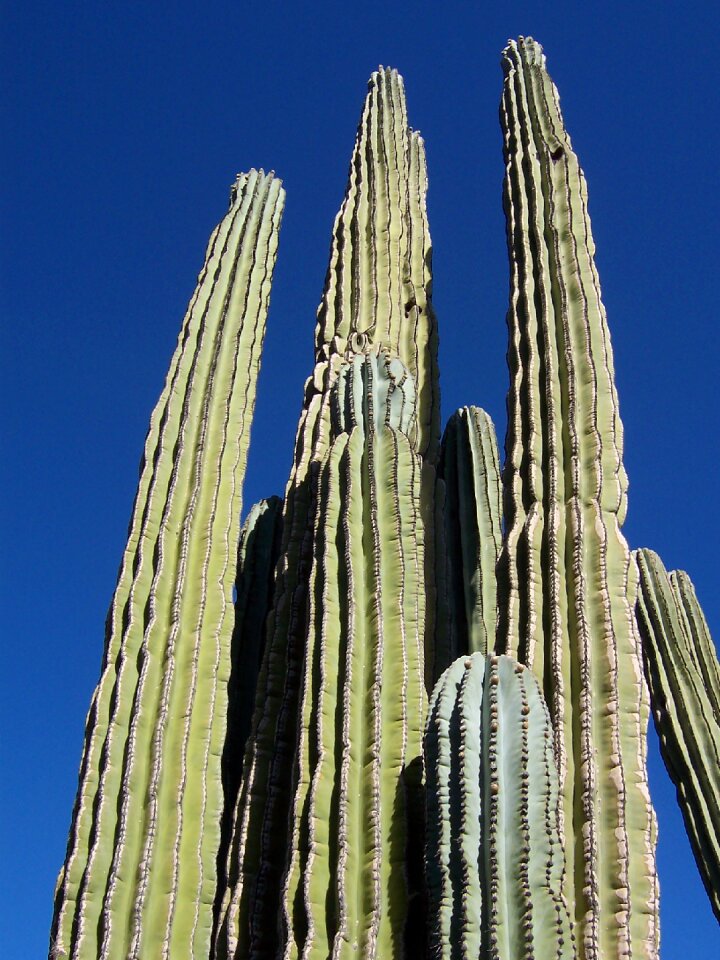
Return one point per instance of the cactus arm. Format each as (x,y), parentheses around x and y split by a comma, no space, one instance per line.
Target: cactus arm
(377,294)
(470,536)
(494,852)
(567,581)
(701,648)
(685,715)
(145,835)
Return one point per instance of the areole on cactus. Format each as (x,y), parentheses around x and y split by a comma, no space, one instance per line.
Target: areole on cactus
(253,782)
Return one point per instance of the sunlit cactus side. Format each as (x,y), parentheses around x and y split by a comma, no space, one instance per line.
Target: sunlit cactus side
(140,874)
(469,536)
(682,670)
(377,296)
(494,856)
(567,579)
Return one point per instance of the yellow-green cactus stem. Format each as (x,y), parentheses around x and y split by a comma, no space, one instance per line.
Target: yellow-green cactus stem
(567,579)
(682,670)
(376,298)
(494,855)
(469,536)
(140,875)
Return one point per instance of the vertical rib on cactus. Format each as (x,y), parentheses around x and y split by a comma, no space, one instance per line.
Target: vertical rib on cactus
(679,654)
(377,293)
(139,877)
(568,580)
(494,857)
(469,536)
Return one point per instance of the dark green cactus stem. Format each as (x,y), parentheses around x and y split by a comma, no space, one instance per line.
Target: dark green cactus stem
(494,856)
(682,670)
(140,873)
(469,535)
(567,579)
(258,552)
(377,298)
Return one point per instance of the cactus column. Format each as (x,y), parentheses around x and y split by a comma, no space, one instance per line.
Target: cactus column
(684,678)
(140,874)
(568,582)
(376,298)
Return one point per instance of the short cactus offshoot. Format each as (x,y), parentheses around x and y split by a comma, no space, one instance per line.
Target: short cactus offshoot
(252,781)
(495,863)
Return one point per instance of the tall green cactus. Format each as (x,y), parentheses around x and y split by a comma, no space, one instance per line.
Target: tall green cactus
(495,864)
(251,785)
(682,671)
(469,536)
(377,298)
(139,878)
(567,577)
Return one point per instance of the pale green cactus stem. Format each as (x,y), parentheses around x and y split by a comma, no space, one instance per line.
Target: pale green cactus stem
(682,669)
(377,294)
(494,856)
(469,536)
(567,579)
(140,873)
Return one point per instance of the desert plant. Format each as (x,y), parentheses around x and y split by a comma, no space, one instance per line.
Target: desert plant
(254,789)
(140,873)
(684,679)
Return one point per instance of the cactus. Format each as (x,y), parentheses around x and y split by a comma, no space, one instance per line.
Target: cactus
(469,537)
(494,855)
(376,303)
(682,671)
(299,832)
(257,556)
(139,877)
(567,579)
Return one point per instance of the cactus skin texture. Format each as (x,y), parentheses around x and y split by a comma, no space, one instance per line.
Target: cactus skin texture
(376,302)
(567,580)
(682,671)
(494,857)
(139,878)
(469,535)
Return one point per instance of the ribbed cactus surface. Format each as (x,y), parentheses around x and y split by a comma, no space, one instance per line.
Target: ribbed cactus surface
(682,670)
(284,862)
(140,873)
(568,582)
(469,536)
(494,858)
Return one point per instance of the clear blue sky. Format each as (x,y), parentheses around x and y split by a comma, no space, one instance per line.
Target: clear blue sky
(125,125)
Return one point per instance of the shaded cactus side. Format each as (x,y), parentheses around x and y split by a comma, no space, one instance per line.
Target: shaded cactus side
(469,536)
(567,579)
(139,877)
(681,665)
(494,856)
(257,557)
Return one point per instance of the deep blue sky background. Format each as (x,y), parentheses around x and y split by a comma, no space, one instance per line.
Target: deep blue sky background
(124,127)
